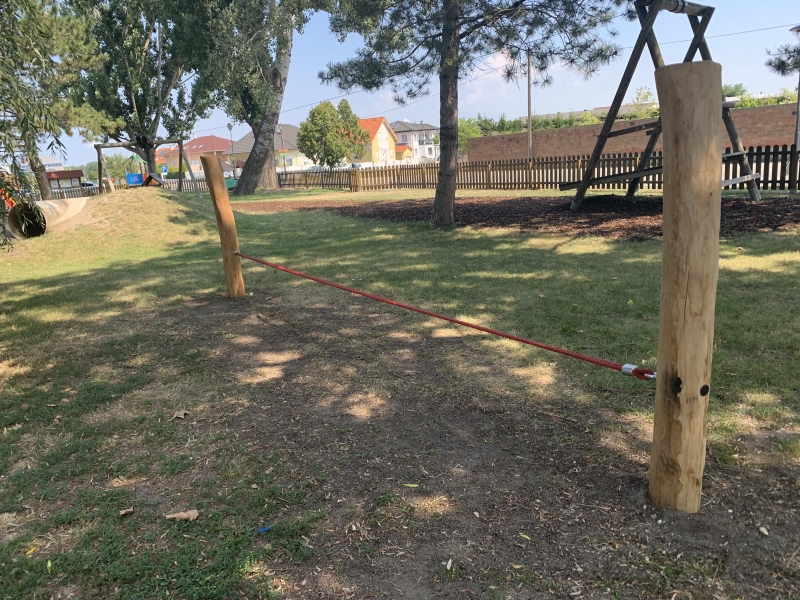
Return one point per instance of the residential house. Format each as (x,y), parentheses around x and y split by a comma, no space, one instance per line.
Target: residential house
(419,137)
(207,145)
(403,152)
(380,150)
(161,152)
(287,156)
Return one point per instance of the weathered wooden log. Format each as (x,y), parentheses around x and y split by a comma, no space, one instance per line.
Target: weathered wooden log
(228,238)
(689,96)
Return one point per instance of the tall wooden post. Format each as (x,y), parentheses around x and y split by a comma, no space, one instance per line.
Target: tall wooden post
(101,164)
(689,96)
(228,237)
(99,168)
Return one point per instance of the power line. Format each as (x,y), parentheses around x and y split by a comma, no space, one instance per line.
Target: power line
(493,70)
(721,35)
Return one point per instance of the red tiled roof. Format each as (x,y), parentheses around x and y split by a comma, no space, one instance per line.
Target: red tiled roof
(206,143)
(402,147)
(373,124)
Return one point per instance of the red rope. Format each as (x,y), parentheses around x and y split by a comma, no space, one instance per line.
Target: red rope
(644,374)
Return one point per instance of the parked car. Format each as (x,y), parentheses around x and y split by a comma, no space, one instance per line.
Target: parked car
(317,168)
(87,184)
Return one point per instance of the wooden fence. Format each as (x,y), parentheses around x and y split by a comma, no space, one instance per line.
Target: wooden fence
(771,162)
(188,185)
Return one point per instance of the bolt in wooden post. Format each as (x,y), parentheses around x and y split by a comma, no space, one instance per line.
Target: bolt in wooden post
(228,237)
(689,96)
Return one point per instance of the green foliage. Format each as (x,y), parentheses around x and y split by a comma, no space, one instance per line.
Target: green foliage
(117,165)
(785,96)
(26,110)
(731,90)
(785,60)
(331,135)
(89,170)
(247,38)
(550,31)
(643,106)
(467,128)
(152,51)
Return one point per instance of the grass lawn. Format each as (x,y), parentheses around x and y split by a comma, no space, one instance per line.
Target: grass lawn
(110,326)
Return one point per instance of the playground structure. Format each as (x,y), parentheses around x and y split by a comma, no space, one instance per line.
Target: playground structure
(26,221)
(141,142)
(647,10)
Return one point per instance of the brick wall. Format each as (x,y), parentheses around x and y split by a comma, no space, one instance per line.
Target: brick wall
(761,126)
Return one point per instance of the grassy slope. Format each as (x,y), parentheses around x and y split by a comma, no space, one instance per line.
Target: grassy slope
(85,321)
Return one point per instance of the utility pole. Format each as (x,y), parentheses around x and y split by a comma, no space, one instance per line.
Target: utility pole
(530,134)
(796,149)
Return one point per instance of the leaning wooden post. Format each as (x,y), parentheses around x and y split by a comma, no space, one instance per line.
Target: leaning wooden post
(689,96)
(228,237)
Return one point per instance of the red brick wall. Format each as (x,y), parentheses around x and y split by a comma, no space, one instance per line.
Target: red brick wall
(762,126)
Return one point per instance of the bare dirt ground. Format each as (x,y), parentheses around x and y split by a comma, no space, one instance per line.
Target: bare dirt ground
(448,472)
(608,216)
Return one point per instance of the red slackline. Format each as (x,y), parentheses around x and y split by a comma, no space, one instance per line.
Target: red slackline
(641,373)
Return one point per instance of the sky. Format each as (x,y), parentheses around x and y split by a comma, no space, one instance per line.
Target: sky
(738,36)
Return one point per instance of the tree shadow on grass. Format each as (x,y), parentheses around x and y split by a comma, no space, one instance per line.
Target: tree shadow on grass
(398,429)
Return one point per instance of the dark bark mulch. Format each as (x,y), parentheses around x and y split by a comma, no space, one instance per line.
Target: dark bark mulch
(609,216)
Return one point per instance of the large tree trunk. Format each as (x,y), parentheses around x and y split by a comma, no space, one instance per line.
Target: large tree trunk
(148,155)
(442,215)
(259,169)
(38,169)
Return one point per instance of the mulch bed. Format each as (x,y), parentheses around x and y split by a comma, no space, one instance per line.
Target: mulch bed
(608,216)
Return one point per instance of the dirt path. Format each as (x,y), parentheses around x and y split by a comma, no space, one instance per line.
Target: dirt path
(447,471)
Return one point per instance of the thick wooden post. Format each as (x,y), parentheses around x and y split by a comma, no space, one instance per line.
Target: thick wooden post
(689,96)
(99,169)
(228,237)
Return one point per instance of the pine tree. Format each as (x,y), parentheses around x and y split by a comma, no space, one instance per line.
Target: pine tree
(409,42)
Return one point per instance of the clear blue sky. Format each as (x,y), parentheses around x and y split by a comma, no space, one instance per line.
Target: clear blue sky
(742,57)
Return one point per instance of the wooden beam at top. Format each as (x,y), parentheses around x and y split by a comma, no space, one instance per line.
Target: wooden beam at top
(699,34)
(132,144)
(681,6)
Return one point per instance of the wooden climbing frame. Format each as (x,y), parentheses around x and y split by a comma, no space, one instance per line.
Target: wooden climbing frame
(647,11)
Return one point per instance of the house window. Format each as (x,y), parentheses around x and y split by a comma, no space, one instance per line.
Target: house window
(195,163)
(76,182)
(54,184)
(430,151)
(405,138)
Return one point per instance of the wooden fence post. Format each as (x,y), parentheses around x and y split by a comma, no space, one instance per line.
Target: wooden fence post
(689,96)
(228,238)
